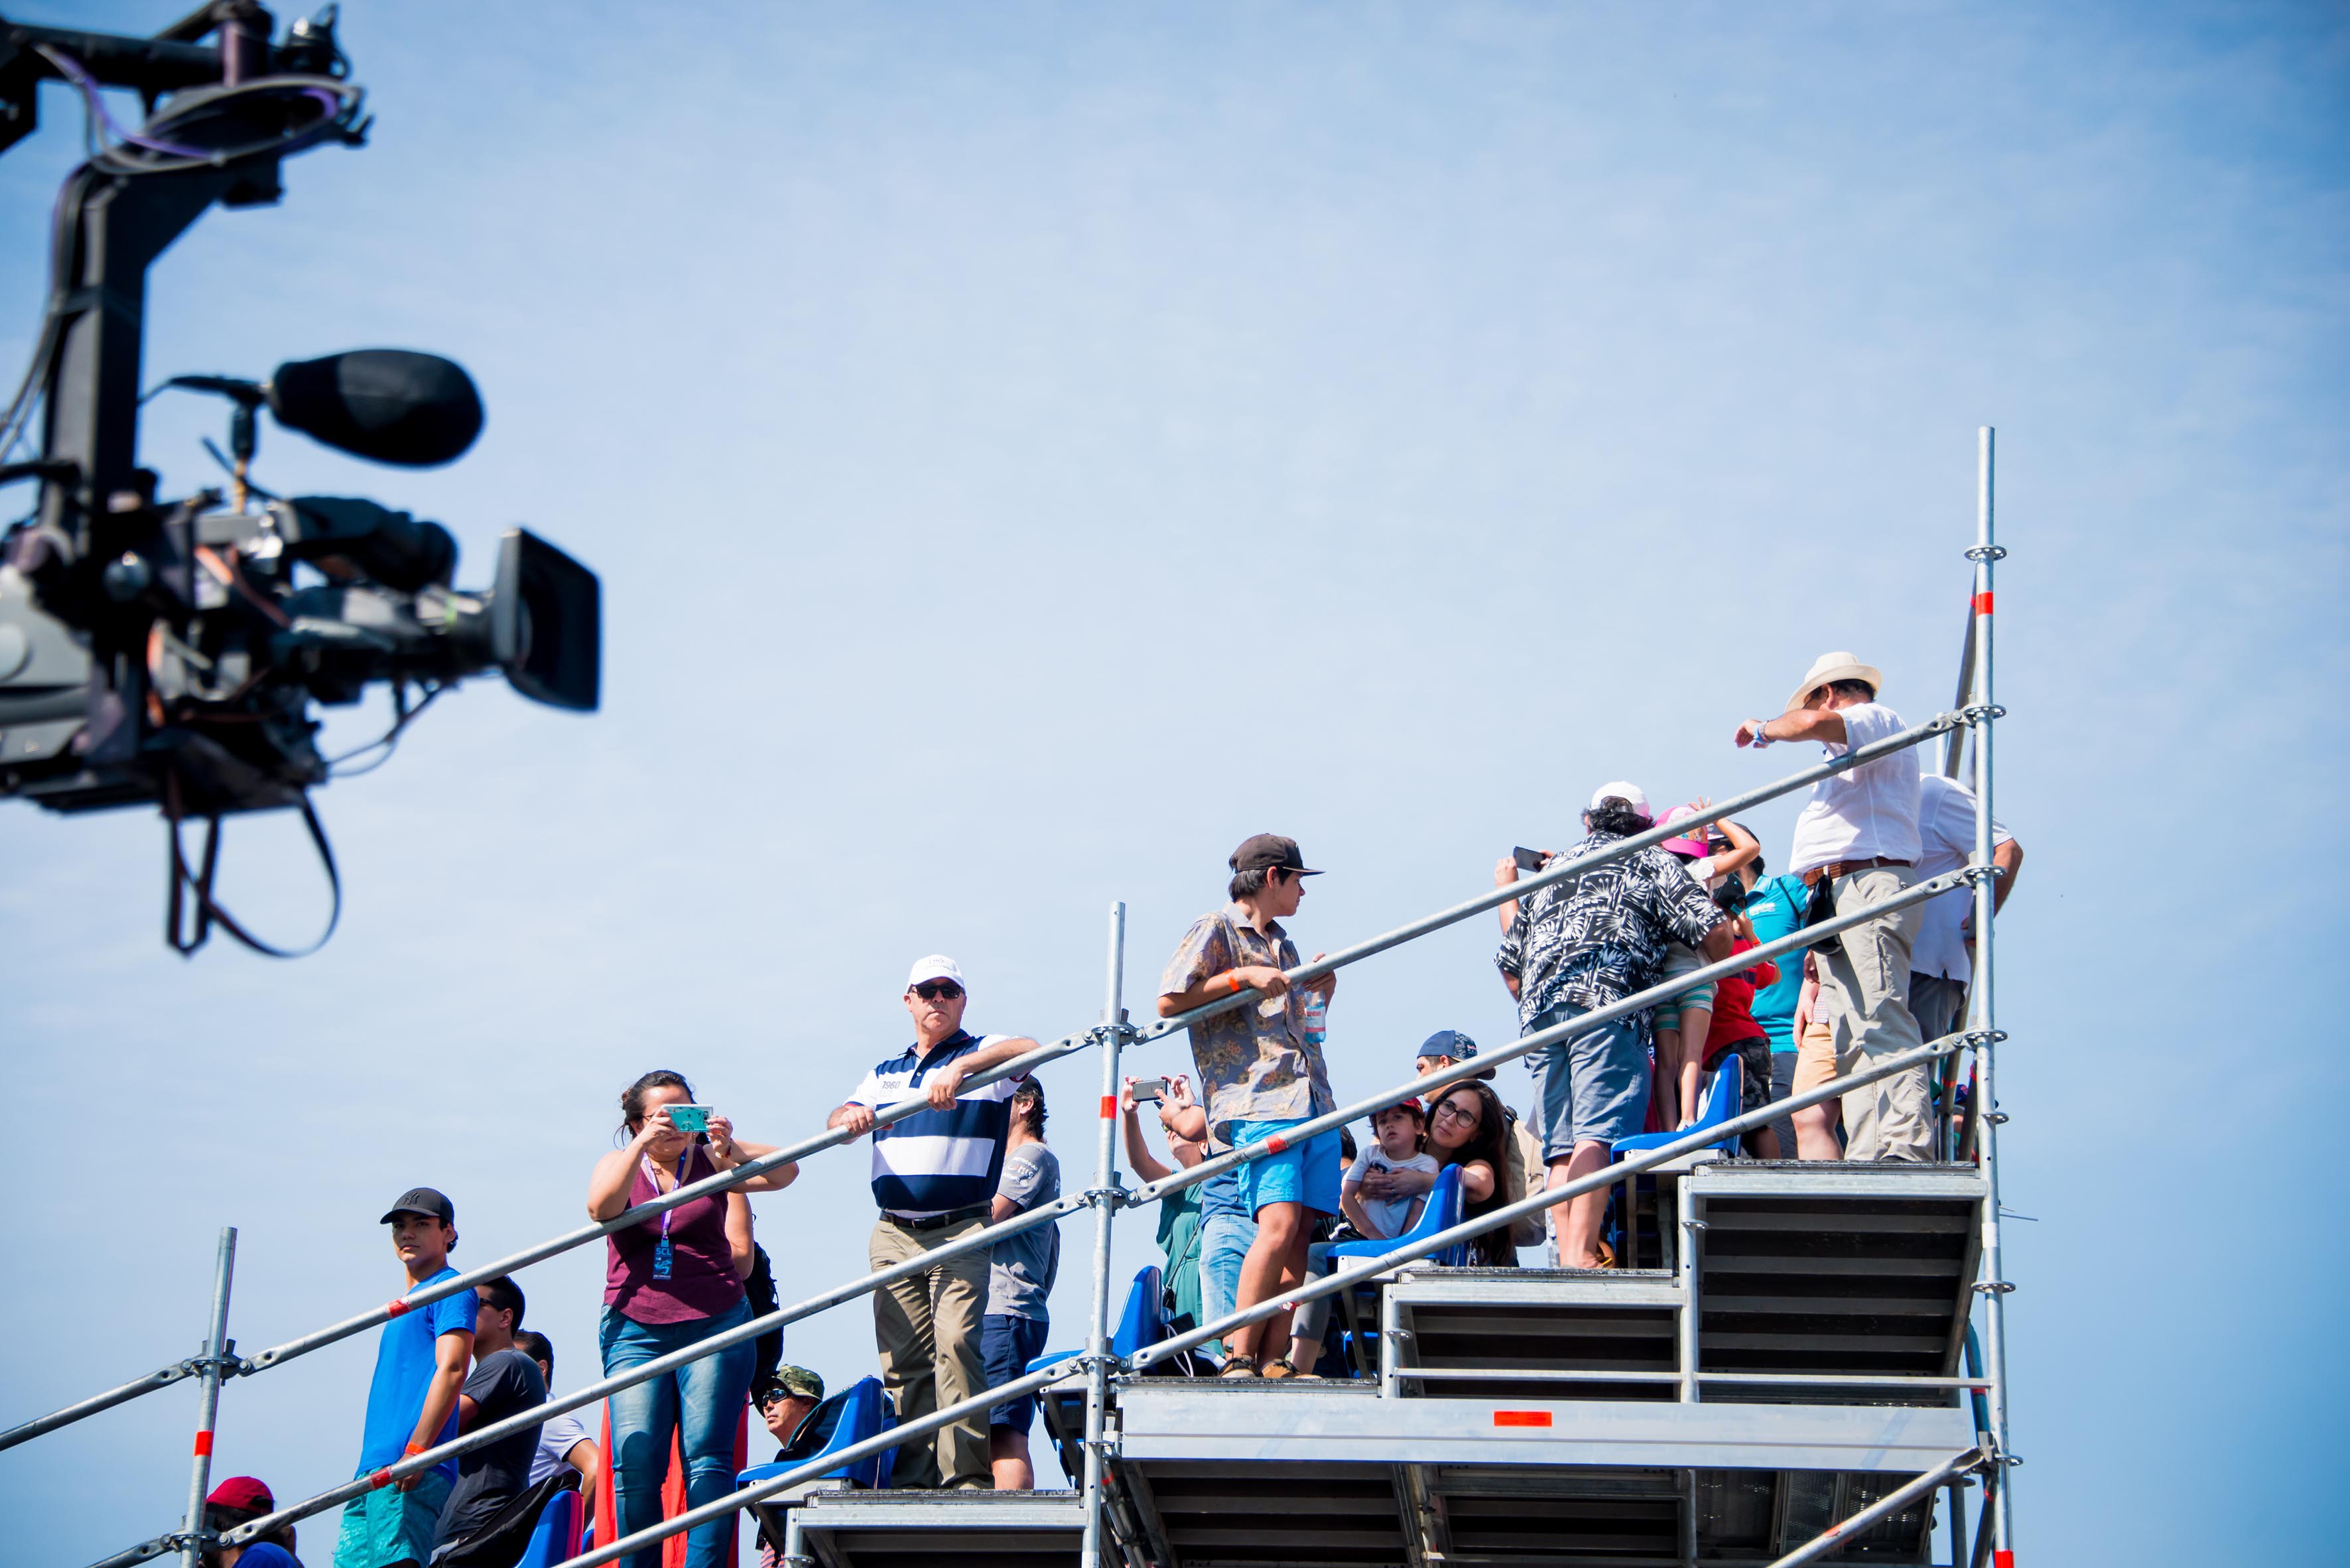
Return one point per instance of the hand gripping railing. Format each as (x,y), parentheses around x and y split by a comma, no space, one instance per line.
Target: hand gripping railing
(987,1236)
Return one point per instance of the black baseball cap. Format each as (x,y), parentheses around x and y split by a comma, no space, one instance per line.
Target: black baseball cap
(424,1200)
(1264,851)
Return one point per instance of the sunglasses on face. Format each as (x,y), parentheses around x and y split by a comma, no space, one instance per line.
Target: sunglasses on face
(938,991)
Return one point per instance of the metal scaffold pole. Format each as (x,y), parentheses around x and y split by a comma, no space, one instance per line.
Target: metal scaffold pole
(1105,1202)
(192,1551)
(1994,1282)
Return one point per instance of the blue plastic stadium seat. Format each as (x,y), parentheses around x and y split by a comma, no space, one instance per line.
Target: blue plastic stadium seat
(559,1527)
(1143,1324)
(1441,1212)
(860,1411)
(1723,1087)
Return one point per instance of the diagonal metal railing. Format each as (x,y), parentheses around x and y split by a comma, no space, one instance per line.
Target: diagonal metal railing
(1113,1034)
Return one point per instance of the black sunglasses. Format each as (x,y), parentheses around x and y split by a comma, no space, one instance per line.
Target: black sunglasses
(938,991)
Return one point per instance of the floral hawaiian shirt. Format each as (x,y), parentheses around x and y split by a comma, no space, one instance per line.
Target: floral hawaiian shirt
(1255,1063)
(1597,939)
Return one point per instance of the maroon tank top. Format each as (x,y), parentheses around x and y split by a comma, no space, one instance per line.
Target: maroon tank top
(702,1281)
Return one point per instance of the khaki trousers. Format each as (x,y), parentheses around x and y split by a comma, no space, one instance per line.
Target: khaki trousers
(1865,996)
(926,1326)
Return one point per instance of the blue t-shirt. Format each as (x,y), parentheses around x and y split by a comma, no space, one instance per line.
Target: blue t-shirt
(404,1365)
(1777,908)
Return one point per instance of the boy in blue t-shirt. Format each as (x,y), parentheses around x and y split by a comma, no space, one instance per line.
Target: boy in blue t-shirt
(419,1366)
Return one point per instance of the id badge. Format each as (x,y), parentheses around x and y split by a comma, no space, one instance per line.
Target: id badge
(664,1257)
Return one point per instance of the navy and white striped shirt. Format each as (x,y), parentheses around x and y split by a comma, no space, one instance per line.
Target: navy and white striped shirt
(935,1162)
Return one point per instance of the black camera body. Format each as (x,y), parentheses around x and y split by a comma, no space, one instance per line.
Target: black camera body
(170,651)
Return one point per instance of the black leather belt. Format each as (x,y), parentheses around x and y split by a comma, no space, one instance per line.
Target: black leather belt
(940,1222)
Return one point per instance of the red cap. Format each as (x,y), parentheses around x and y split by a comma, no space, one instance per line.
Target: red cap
(243,1492)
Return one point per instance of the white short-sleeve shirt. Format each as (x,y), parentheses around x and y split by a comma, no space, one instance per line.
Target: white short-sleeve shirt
(1946,831)
(1869,812)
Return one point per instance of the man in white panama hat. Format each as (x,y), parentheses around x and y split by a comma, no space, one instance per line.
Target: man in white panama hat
(1856,843)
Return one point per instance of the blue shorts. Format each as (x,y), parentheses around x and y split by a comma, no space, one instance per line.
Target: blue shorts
(1306,1173)
(386,1526)
(1007,1345)
(1594,1086)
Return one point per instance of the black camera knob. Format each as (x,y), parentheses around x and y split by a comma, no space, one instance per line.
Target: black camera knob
(126,577)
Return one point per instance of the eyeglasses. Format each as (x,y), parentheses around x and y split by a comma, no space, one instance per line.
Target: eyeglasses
(938,991)
(1472,1115)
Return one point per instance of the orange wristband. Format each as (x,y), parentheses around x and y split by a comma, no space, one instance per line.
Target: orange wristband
(415,1449)
(1237,987)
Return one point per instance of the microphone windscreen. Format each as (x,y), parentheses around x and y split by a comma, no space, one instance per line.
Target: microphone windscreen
(391,405)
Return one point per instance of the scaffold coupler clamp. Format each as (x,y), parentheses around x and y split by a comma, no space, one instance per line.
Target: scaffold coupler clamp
(1987,553)
(227,1363)
(1979,1038)
(1981,712)
(1994,1287)
(1115,1195)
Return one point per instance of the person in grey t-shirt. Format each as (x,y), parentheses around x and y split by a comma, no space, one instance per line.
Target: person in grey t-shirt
(1019,1278)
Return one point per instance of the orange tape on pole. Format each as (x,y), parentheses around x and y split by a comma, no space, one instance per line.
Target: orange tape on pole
(1109,1107)
(396,1308)
(1522,1418)
(1982,604)
(203,1445)
(2002,1559)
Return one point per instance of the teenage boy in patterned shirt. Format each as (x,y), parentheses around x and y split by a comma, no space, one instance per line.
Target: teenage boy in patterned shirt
(1261,1077)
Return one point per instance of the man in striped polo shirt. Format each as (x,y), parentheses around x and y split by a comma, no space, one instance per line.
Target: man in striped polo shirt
(934,1177)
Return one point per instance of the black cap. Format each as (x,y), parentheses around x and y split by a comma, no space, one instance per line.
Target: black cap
(1264,851)
(423,1200)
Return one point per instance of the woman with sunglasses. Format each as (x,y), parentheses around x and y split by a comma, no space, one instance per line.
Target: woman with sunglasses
(1468,1127)
(671,1281)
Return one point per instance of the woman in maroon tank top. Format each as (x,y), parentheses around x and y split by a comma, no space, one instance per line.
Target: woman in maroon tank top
(669,1282)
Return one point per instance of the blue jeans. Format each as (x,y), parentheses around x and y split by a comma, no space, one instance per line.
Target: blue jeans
(706,1398)
(1224,1241)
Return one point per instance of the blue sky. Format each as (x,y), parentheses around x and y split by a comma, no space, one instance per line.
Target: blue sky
(1030,447)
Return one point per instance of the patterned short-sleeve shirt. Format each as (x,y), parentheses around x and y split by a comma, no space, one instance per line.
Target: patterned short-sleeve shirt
(1255,1063)
(1596,939)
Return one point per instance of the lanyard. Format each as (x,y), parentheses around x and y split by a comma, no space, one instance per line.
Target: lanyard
(653,1176)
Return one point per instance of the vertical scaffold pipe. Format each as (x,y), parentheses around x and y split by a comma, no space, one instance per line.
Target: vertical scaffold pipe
(192,1551)
(1105,1213)
(1985,552)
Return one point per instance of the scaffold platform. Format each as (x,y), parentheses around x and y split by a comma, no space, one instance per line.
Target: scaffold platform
(1798,1363)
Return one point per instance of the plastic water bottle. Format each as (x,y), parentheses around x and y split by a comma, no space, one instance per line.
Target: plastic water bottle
(1316,1013)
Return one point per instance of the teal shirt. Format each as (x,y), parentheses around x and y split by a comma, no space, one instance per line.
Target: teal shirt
(1777,908)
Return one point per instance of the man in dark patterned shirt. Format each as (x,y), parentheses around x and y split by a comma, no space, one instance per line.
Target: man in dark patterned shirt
(1582,944)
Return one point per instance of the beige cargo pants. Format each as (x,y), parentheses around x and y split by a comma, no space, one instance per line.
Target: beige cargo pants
(1865,996)
(927,1326)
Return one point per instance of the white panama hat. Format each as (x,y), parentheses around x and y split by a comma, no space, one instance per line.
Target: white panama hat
(1829,667)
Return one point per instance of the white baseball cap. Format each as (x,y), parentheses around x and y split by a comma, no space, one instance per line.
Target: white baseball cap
(937,966)
(1624,790)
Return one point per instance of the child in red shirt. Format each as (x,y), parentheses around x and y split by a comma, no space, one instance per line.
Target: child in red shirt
(1734,1029)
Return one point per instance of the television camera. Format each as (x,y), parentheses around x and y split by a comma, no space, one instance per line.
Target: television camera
(169,650)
